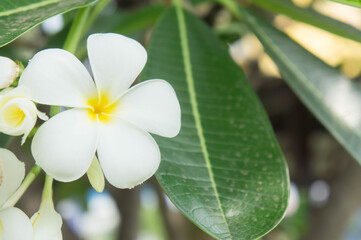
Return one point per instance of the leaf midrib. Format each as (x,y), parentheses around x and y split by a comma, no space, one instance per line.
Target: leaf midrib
(28,7)
(194,105)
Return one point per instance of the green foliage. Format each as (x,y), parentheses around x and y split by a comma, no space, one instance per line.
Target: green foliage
(333,98)
(224,170)
(4,140)
(355,3)
(17,17)
(311,17)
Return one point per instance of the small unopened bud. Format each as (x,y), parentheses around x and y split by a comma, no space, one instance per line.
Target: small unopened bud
(9,71)
(96,176)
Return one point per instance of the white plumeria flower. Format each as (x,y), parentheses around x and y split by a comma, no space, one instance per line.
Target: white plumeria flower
(18,114)
(14,223)
(9,71)
(106,117)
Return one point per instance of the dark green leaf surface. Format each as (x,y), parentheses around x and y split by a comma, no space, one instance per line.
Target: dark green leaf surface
(140,19)
(311,17)
(4,140)
(333,98)
(18,16)
(224,170)
(195,2)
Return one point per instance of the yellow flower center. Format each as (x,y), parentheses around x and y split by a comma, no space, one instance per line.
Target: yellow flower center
(13,115)
(101,107)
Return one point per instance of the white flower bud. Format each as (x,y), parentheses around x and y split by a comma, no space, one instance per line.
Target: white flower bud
(18,113)
(9,71)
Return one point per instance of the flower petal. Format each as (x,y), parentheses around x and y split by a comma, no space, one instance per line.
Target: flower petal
(57,77)
(127,155)
(47,222)
(9,71)
(15,225)
(13,172)
(116,61)
(17,117)
(153,106)
(64,146)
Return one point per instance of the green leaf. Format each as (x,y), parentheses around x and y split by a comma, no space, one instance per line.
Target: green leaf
(127,23)
(17,17)
(4,140)
(310,17)
(333,98)
(224,170)
(195,2)
(139,19)
(355,3)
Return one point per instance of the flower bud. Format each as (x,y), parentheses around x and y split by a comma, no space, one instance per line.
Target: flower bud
(9,71)
(96,176)
(18,113)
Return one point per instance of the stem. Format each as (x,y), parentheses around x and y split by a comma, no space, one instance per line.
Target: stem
(23,187)
(232,6)
(48,190)
(95,13)
(177,3)
(77,30)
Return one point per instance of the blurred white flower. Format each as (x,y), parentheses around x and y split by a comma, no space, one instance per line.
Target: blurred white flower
(9,71)
(18,113)
(107,117)
(14,223)
(53,25)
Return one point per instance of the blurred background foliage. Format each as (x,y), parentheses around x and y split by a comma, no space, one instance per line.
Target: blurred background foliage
(325,193)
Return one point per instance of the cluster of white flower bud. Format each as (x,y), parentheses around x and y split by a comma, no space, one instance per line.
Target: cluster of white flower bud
(18,113)
(44,224)
(9,71)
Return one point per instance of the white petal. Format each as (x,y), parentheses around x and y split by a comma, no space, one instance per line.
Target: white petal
(18,113)
(10,93)
(13,174)
(18,116)
(127,155)
(42,116)
(9,71)
(47,223)
(15,225)
(116,61)
(56,77)
(64,146)
(153,106)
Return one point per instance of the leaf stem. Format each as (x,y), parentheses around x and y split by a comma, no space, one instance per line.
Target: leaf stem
(77,30)
(232,6)
(177,2)
(34,172)
(95,13)
(48,190)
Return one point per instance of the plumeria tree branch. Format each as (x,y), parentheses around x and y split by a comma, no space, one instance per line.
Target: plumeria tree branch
(34,172)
